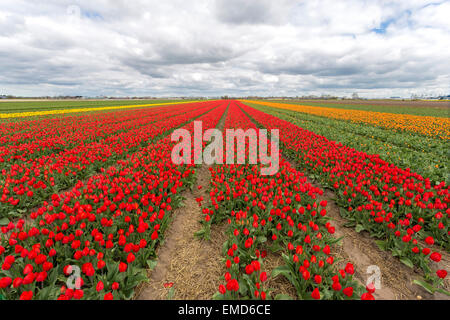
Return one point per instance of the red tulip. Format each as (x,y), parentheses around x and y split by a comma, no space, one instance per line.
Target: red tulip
(28,269)
(441,273)
(100,286)
(5,282)
(17,282)
(435,256)
(78,294)
(367,296)
(317,279)
(122,267)
(249,269)
(26,295)
(348,291)
(263,276)
(315,294)
(336,286)
(349,268)
(233,285)
(130,258)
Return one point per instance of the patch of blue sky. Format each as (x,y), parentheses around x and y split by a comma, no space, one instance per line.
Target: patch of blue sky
(94,15)
(381,29)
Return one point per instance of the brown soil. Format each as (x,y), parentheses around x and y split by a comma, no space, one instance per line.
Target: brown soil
(279,285)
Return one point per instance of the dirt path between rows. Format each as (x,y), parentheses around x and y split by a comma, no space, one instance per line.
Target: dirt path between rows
(193,265)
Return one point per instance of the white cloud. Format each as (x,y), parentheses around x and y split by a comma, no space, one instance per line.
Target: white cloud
(116,47)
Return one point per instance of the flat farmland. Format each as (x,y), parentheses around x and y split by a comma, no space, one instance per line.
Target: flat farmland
(22,105)
(416,107)
(93,205)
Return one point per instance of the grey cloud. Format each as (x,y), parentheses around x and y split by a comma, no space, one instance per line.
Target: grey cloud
(11,24)
(247,12)
(146,67)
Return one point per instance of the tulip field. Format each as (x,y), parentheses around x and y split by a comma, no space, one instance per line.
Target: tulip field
(88,198)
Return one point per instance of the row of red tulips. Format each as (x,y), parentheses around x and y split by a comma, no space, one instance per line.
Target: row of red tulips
(47,135)
(277,213)
(404,210)
(27,178)
(95,241)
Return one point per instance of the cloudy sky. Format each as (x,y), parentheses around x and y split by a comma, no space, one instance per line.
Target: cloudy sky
(214,47)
